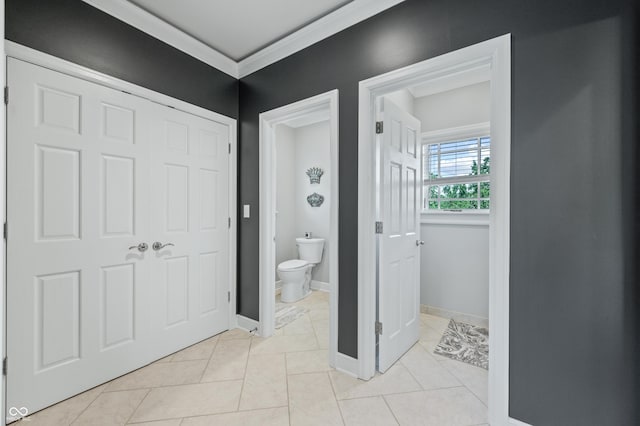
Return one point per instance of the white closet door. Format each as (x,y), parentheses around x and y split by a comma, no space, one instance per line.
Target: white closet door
(92,172)
(399,244)
(190,184)
(78,164)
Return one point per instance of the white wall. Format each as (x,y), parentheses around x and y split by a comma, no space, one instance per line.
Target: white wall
(285,186)
(455,108)
(454,273)
(312,150)
(402,98)
(455,258)
(296,151)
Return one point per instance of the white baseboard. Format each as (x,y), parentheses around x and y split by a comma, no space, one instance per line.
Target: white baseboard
(347,365)
(514,422)
(319,285)
(458,316)
(315,285)
(247,324)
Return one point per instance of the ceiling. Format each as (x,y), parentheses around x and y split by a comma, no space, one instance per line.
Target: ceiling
(239,28)
(451,81)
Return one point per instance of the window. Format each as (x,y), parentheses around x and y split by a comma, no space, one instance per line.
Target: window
(456,173)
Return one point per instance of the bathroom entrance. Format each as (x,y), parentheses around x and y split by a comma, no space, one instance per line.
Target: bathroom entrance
(299,224)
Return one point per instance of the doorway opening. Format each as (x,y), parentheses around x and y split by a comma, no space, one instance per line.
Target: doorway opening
(387,234)
(299,219)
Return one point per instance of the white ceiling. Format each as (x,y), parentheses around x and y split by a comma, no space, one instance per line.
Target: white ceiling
(239,28)
(451,81)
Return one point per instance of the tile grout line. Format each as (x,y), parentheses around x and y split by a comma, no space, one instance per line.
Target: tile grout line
(208,362)
(401,393)
(173,386)
(444,362)
(137,406)
(85,408)
(335,397)
(390,409)
(221,413)
(286,381)
(244,378)
(409,371)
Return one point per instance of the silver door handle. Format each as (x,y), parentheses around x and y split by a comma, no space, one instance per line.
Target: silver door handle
(419,243)
(159,246)
(142,247)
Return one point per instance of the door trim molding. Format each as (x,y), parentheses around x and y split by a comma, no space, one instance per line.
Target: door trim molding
(268,121)
(494,54)
(35,57)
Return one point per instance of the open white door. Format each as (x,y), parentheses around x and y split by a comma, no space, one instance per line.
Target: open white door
(399,192)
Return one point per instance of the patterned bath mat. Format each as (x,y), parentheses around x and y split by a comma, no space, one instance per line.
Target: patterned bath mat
(465,342)
(286,314)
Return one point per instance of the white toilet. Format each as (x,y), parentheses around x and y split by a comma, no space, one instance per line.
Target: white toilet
(296,274)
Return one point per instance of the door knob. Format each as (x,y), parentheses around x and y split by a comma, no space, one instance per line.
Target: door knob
(159,246)
(419,243)
(142,247)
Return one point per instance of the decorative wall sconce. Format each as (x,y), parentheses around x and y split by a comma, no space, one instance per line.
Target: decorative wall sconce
(315,173)
(315,200)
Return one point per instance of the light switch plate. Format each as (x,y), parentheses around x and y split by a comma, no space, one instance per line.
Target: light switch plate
(246,211)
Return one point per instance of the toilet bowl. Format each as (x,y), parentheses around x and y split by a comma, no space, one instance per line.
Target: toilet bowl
(296,273)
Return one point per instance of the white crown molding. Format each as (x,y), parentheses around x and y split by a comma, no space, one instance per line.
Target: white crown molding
(328,25)
(156,27)
(343,18)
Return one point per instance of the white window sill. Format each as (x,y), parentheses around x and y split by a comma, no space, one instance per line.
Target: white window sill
(455,218)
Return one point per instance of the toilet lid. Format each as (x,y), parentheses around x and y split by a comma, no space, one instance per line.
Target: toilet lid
(293,264)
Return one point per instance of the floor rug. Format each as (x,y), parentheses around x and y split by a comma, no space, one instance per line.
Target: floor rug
(286,314)
(465,342)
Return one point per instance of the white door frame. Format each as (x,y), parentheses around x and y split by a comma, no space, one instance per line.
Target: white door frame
(3,218)
(496,55)
(268,122)
(36,57)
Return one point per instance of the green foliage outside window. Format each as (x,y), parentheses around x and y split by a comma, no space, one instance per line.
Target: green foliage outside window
(462,196)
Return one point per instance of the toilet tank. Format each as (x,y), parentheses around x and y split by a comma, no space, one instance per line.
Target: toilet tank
(310,249)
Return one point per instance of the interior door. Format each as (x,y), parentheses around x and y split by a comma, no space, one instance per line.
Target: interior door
(399,245)
(93,173)
(78,170)
(190,206)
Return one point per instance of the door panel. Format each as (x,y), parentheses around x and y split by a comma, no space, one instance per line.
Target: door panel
(117,307)
(89,176)
(190,178)
(399,255)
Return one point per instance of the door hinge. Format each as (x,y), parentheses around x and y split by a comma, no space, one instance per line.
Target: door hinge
(5,230)
(379,127)
(229,297)
(4,366)
(378,327)
(379,228)
(229,148)
(6,95)
(229,223)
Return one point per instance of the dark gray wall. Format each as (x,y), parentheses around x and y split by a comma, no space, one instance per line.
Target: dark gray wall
(573,238)
(575,227)
(80,33)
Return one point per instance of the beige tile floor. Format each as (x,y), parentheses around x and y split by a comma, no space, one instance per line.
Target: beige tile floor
(237,379)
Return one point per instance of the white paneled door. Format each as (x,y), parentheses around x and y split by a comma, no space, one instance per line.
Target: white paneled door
(95,177)
(400,192)
(191,227)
